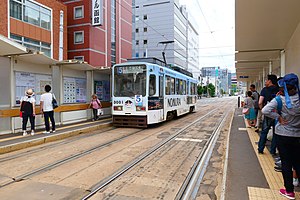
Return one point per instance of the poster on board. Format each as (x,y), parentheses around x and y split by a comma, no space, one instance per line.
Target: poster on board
(74,90)
(102,90)
(26,80)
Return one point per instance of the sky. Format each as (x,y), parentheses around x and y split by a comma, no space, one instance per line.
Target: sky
(215,20)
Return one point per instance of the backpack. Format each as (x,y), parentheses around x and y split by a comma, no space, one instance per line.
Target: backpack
(256,106)
(26,107)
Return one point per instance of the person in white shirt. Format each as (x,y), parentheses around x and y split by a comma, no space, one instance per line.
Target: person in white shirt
(47,109)
(28,111)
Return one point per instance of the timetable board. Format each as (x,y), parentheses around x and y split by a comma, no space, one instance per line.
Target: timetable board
(26,80)
(74,90)
(102,90)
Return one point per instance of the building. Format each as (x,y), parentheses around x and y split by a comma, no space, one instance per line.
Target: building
(193,48)
(163,26)
(218,77)
(99,31)
(39,25)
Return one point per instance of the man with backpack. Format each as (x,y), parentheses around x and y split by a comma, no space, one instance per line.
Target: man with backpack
(285,108)
(266,95)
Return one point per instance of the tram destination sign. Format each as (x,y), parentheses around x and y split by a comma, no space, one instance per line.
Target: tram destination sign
(244,76)
(131,69)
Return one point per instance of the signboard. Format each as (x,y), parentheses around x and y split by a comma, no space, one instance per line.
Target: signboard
(130,69)
(74,90)
(97,14)
(26,80)
(102,90)
(244,76)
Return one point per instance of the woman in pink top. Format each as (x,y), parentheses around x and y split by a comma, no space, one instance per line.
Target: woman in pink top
(95,105)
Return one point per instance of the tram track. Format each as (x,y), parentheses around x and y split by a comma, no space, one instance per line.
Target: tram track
(191,184)
(175,127)
(103,183)
(63,160)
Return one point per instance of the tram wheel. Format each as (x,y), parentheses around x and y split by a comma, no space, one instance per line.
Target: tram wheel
(170,115)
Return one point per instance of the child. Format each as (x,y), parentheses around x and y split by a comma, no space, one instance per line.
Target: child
(249,103)
(95,105)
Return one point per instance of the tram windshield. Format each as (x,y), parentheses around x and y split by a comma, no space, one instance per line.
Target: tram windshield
(130,80)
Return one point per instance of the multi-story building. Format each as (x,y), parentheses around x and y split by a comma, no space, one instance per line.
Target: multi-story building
(39,25)
(219,77)
(193,48)
(99,31)
(163,26)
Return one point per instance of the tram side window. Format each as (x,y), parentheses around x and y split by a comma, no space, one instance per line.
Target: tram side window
(161,86)
(152,85)
(183,87)
(177,83)
(170,85)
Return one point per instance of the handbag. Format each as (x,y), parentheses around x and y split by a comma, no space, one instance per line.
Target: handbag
(54,102)
(21,109)
(99,112)
(245,111)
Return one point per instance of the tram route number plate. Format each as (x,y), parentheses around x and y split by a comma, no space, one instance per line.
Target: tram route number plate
(138,100)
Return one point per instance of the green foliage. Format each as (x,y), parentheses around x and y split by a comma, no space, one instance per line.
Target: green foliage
(211,90)
(200,90)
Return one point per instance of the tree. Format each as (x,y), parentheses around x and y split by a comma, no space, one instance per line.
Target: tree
(211,90)
(200,90)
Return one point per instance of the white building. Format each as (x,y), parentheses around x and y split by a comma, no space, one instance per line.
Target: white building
(163,26)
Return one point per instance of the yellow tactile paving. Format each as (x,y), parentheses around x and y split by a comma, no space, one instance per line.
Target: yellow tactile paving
(274,178)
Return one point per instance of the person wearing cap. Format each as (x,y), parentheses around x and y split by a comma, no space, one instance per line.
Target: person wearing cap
(28,111)
(287,129)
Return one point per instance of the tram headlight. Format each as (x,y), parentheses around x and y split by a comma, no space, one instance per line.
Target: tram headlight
(140,108)
(118,108)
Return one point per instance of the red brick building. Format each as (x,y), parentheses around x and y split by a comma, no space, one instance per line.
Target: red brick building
(103,41)
(36,25)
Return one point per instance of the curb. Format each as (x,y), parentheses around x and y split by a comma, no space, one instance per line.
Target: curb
(50,138)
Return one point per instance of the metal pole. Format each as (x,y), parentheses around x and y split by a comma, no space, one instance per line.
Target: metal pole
(239,101)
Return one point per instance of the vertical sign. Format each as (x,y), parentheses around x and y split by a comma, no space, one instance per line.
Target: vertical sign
(61,36)
(96,12)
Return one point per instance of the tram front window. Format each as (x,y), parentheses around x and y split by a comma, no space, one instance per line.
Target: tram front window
(130,81)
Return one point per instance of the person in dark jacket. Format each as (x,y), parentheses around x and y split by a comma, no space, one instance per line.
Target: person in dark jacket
(287,130)
(266,95)
(28,111)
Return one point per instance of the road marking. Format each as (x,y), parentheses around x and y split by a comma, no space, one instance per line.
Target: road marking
(188,140)
(242,129)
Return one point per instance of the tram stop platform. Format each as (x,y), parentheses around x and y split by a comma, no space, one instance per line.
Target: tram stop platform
(249,175)
(15,141)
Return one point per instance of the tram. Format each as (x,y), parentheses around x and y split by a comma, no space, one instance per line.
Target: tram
(145,92)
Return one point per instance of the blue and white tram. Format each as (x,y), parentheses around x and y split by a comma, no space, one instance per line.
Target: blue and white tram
(145,93)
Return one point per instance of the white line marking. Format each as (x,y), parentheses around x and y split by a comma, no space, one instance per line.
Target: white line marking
(189,140)
(242,129)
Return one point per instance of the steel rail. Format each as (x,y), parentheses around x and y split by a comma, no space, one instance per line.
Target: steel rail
(94,189)
(190,186)
(64,160)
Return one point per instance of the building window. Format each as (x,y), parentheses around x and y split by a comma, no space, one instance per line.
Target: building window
(78,12)
(79,58)
(145,41)
(137,18)
(78,37)
(33,44)
(136,30)
(137,54)
(145,17)
(137,42)
(145,29)
(31,13)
